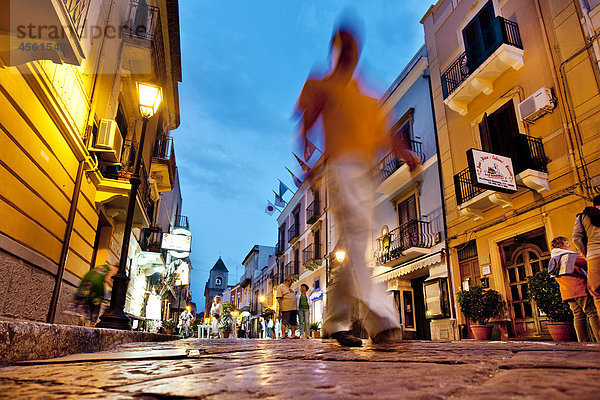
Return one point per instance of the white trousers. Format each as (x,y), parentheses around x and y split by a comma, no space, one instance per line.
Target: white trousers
(352,191)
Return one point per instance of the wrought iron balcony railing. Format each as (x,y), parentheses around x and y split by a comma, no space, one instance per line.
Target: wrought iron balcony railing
(142,20)
(526,152)
(293,233)
(291,268)
(150,239)
(313,211)
(390,163)
(164,150)
(414,233)
(124,172)
(311,252)
(500,31)
(181,221)
(78,10)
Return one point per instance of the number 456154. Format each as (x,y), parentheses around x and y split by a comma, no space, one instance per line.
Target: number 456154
(27,46)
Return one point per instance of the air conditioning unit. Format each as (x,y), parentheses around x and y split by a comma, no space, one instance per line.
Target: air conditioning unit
(537,105)
(109,140)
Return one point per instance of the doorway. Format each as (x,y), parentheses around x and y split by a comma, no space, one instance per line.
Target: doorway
(422,324)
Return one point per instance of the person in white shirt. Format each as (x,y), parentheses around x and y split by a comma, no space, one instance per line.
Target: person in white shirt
(286,299)
(215,315)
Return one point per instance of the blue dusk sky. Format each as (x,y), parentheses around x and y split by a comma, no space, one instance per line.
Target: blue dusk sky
(244,64)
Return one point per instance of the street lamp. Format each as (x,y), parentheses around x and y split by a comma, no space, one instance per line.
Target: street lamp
(262,298)
(340,255)
(150,97)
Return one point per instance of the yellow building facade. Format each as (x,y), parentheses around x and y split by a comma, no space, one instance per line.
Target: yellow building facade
(69,130)
(517,79)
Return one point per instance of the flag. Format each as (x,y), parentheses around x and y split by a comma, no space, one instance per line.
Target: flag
(270,209)
(310,147)
(297,180)
(305,167)
(282,189)
(279,202)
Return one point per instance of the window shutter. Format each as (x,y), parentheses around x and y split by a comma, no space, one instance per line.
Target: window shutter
(484,134)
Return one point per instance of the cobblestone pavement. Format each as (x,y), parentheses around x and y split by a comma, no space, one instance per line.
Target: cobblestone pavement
(314,369)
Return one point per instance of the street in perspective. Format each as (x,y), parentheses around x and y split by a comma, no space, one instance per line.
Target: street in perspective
(329,200)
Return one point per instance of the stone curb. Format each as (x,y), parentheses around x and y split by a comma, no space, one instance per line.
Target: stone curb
(22,340)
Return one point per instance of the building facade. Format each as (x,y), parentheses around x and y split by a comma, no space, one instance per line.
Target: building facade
(516,100)
(70,127)
(409,236)
(216,284)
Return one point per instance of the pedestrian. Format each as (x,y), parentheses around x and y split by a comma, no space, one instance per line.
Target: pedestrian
(586,237)
(354,132)
(277,328)
(270,328)
(186,320)
(90,293)
(215,314)
(304,304)
(569,271)
(263,330)
(286,300)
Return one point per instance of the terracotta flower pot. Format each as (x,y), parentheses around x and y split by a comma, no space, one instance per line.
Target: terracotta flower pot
(481,332)
(316,334)
(225,334)
(560,331)
(169,331)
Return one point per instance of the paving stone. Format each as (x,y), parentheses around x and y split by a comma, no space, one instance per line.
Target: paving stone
(554,359)
(537,384)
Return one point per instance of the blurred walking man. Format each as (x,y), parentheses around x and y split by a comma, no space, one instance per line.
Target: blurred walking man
(355,131)
(286,299)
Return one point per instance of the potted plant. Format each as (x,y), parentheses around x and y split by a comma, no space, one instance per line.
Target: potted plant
(479,305)
(315,330)
(226,324)
(169,326)
(195,327)
(545,291)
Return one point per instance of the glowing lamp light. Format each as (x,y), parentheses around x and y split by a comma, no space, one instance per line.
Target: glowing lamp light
(150,97)
(262,298)
(235,313)
(340,255)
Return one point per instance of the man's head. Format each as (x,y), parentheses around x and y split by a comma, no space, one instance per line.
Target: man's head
(217,299)
(288,281)
(560,242)
(344,51)
(304,288)
(596,201)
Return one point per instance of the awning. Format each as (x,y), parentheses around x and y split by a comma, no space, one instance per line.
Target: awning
(409,267)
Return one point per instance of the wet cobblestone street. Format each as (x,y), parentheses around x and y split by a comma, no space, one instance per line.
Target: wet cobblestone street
(229,368)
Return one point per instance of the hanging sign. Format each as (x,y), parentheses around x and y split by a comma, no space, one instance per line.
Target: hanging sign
(181,243)
(491,171)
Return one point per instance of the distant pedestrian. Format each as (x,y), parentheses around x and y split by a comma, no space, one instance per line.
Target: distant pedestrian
(586,237)
(263,328)
(215,314)
(355,132)
(286,299)
(304,304)
(569,270)
(186,320)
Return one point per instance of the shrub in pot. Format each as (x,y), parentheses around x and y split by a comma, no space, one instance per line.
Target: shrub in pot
(479,306)
(545,291)
(169,326)
(226,324)
(315,330)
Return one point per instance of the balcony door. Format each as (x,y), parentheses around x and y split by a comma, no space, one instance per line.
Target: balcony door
(499,130)
(479,36)
(407,223)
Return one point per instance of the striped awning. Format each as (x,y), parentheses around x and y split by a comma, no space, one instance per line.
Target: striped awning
(409,267)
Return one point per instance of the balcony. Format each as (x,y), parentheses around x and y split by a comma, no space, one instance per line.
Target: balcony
(530,166)
(150,239)
(291,269)
(54,30)
(293,233)
(312,256)
(163,165)
(410,240)
(313,211)
(113,189)
(181,221)
(392,173)
(472,74)
(139,34)
(151,258)
(280,248)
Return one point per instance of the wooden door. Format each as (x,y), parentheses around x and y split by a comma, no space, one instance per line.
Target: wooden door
(469,269)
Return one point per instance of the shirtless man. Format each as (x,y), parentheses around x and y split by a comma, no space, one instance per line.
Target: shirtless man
(355,130)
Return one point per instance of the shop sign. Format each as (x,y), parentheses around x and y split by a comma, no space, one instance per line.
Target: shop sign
(316,295)
(181,243)
(491,171)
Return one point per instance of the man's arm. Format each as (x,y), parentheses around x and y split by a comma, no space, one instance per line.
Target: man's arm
(578,234)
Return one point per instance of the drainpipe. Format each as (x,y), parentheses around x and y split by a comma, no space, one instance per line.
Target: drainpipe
(443,200)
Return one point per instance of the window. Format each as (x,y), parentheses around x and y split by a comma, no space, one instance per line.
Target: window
(281,245)
(437,303)
(499,129)
(479,36)
(317,245)
(121,121)
(407,210)
(409,312)
(317,284)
